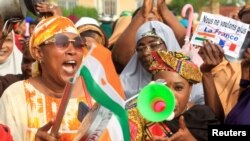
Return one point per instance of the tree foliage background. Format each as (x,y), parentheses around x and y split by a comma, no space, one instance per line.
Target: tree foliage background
(81,11)
(78,11)
(177,5)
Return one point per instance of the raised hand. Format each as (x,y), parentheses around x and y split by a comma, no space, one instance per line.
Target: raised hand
(212,55)
(43,135)
(161,6)
(48,9)
(147,8)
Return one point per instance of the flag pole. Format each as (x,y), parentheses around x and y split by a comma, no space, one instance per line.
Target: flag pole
(62,107)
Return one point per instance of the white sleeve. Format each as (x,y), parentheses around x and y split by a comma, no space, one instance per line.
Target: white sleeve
(13,111)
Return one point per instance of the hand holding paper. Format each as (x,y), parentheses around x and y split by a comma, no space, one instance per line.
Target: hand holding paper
(211,54)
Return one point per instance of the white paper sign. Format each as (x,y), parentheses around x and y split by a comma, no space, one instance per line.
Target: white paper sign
(226,32)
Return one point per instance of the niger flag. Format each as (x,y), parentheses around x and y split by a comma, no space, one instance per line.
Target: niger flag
(102,83)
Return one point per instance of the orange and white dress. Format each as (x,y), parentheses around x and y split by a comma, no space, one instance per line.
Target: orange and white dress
(24,109)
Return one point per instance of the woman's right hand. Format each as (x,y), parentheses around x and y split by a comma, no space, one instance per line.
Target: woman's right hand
(43,135)
(212,55)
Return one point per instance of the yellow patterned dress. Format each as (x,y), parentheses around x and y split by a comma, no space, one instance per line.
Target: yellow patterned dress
(24,109)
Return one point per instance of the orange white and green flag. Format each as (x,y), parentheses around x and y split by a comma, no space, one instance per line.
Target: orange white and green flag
(102,83)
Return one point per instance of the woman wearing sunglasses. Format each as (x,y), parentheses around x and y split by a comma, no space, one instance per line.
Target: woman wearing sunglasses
(28,105)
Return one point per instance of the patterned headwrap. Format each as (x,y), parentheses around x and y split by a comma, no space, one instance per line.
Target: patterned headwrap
(177,62)
(47,28)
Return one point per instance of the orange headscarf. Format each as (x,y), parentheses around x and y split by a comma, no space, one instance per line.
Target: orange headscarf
(47,28)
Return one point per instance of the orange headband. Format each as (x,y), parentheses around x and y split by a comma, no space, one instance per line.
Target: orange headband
(47,28)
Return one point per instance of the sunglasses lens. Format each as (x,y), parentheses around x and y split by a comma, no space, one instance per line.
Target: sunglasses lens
(78,43)
(61,41)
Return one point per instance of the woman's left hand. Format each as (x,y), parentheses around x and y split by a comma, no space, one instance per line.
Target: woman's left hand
(183,134)
(212,55)
(162,7)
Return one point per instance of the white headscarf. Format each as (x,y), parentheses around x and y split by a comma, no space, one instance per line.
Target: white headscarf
(12,65)
(86,20)
(134,76)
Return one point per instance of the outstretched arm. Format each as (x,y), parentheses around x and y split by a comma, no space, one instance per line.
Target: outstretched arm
(212,55)
(170,19)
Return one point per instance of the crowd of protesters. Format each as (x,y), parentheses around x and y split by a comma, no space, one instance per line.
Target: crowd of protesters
(36,63)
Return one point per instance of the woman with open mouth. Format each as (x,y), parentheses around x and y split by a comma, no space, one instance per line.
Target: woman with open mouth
(27,105)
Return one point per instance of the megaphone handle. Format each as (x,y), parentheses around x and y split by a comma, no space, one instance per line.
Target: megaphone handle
(163,127)
(166,130)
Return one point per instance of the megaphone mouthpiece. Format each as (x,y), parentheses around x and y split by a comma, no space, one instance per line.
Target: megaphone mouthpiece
(159,106)
(156,102)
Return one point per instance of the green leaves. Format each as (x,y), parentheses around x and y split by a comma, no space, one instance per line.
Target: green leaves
(81,11)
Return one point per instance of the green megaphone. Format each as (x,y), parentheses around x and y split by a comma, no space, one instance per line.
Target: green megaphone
(156,102)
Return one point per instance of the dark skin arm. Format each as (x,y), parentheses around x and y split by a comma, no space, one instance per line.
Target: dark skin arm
(48,9)
(212,55)
(170,19)
(124,48)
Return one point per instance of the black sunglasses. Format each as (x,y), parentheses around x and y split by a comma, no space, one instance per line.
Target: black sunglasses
(63,41)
